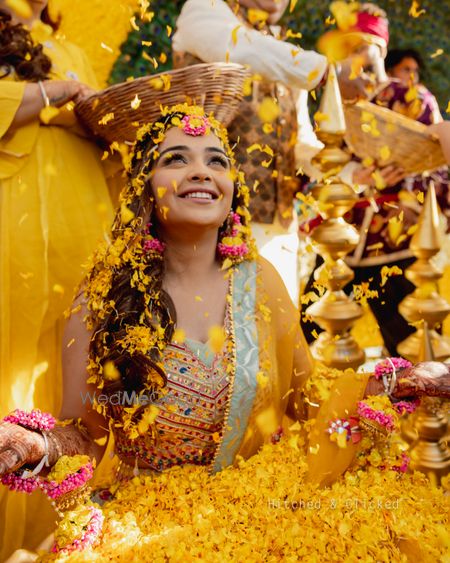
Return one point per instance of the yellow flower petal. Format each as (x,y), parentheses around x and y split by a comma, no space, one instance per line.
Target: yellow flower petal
(234,32)
(126,214)
(135,102)
(385,152)
(268,110)
(216,338)
(110,372)
(48,113)
(414,10)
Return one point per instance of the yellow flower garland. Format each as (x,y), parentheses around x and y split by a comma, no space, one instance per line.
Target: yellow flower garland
(265,511)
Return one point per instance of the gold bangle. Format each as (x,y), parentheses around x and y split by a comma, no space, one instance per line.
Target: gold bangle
(56,446)
(44,95)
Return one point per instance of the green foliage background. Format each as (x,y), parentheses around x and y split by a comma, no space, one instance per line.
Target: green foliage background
(427,34)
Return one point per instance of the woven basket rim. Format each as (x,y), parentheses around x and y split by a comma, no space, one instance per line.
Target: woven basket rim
(412,145)
(196,84)
(387,115)
(172,73)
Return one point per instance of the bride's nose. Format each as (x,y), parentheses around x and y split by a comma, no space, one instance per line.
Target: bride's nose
(199,173)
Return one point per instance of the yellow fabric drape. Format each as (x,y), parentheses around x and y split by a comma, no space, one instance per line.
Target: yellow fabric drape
(285,357)
(54,207)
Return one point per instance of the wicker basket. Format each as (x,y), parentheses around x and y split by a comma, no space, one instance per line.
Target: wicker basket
(371,128)
(116,113)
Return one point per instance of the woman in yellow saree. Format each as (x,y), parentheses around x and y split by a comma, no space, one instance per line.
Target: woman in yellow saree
(54,208)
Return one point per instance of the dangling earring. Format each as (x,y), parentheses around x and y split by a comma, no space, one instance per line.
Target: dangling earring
(152,246)
(232,244)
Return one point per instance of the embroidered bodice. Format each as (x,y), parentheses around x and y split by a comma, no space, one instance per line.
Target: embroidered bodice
(191,413)
(203,416)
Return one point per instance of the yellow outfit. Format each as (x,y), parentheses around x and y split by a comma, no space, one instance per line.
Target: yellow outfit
(54,207)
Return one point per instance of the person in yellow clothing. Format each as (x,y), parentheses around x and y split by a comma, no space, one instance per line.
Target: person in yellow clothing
(54,207)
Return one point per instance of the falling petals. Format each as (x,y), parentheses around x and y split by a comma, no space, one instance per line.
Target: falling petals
(216,338)
(415,10)
(135,102)
(385,152)
(345,14)
(437,53)
(268,110)
(106,118)
(234,32)
(387,272)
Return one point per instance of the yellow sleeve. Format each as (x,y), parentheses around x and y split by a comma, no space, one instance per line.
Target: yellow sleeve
(326,460)
(11,95)
(294,361)
(16,145)
(91,78)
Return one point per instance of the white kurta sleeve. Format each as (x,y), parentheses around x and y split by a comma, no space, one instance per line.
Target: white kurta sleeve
(209,30)
(308,145)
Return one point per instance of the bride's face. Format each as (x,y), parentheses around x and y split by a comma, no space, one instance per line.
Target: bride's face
(192,181)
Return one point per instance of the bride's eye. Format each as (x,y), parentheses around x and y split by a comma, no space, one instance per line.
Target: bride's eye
(219,161)
(173,157)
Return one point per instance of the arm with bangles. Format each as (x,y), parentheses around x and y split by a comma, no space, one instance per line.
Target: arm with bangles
(430,379)
(54,93)
(23,447)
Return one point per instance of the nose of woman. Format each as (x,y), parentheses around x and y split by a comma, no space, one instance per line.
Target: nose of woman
(199,173)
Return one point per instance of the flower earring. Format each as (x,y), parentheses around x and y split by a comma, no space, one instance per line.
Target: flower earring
(152,246)
(233,245)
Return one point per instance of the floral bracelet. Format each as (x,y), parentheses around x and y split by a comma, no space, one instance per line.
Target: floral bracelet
(34,420)
(27,481)
(64,485)
(67,475)
(78,530)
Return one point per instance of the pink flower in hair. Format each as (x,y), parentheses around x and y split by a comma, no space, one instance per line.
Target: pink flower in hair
(195,125)
(154,245)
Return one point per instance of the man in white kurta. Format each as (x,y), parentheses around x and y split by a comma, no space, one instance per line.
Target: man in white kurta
(210,31)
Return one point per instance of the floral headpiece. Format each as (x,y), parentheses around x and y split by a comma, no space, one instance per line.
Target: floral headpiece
(195,125)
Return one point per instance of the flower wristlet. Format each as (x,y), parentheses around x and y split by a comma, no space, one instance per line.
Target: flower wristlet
(40,422)
(379,417)
(386,370)
(65,485)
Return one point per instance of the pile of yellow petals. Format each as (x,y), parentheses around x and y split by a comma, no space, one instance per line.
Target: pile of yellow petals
(264,510)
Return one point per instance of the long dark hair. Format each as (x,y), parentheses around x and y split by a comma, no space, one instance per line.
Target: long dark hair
(18,51)
(131,307)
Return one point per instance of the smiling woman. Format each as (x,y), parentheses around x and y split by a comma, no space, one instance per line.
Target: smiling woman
(188,176)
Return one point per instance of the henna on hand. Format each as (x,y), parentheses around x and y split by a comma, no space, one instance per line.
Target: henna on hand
(19,446)
(69,440)
(374,387)
(425,378)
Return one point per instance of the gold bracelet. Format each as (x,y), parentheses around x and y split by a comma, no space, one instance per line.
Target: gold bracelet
(44,95)
(56,445)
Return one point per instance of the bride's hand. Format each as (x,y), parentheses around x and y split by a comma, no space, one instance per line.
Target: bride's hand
(424,378)
(18,447)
